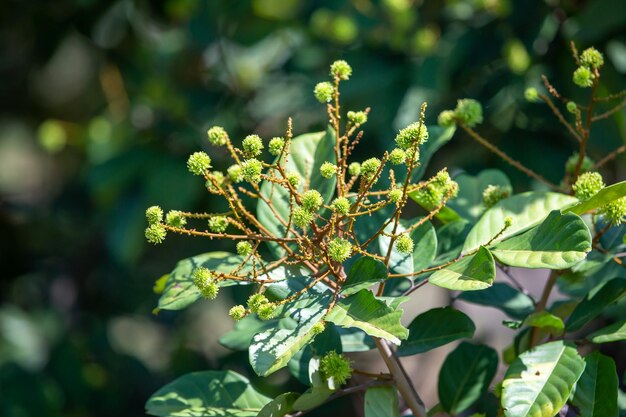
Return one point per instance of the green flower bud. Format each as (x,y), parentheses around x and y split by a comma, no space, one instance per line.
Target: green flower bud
(339,249)
(235,173)
(614,211)
(312,200)
(370,167)
(357,117)
(252,146)
(210,291)
(469,112)
(341,69)
(276,146)
(397,156)
(251,170)
(591,58)
(531,94)
(336,366)
(354,169)
(293,178)
(237,312)
(266,311)
(587,185)
(404,244)
(218,224)
(244,248)
(583,77)
(446,118)
(204,282)
(324,92)
(175,218)
(395,195)
(215,177)
(570,165)
(415,133)
(571,107)
(318,327)
(198,163)
(255,301)
(341,205)
(327,170)
(155,233)
(217,136)
(302,217)
(154,214)
(508,221)
(494,193)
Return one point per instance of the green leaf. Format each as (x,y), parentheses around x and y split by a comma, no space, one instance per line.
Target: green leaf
(363,311)
(272,349)
(328,340)
(381,402)
(241,336)
(364,273)
(604,196)
(279,406)
(308,152)
(612,333)
(469,202)
(319,392)
(526,210)
(559,242)
(209,393)
(473,272)
(450,239)
(539,381)
(596,390)
(547,321)
(435,328)
(424,251)
(503,297)
(355,340)
(590,307)
(465,375)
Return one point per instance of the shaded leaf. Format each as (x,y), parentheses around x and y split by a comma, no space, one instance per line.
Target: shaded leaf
(590,307)
(503,297)
(424,251)
(241,336)
(364,273)
(612,333)
(469,202)
(381,402)
(596,390)
(279,406)
(473,272)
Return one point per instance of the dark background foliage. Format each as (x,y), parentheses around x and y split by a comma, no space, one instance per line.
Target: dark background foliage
(102,101)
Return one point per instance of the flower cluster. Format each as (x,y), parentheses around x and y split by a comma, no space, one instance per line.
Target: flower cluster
(590,62)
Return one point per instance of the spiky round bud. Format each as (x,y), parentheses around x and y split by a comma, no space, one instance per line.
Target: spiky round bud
(404,244)
(469,112)
(354,169)
(571,107)
(237,312)
(276,146)
(357,117)
(339,249)
(198,163)
(210,291)
(614,211)
(336,366)
(587,185)
(494,193)
(570,165)
(244,248)
(302,217)
(293,179)
(531,94)
(591,58)
(218,224)
(370,167)
(328,169)
(341,69)
(583,77)
(214,182)
(154,214)
(204,282)
(252,146)
(324,92)
(235,173)
(266,311)
(217,136)
(415,133)
(341,205)
(395,195)
(397,156)
(155,233)
(251,170)
(255,301)
(508,221)
(312,200)
(446,118)
(318,327)
(175,218)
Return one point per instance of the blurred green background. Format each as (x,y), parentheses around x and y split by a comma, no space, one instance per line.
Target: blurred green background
(102,101)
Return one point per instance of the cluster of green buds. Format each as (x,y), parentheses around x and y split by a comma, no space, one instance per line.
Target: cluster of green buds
(311,227)
(468,112)
(494,193)
(589,184)
(590,60)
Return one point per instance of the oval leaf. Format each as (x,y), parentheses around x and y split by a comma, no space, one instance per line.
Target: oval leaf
(602,197)
(473,272)
(596,390)
(593,304)
(469,202)
(364,273)
(612,333)
(381,402)
(279,406)
(503,297)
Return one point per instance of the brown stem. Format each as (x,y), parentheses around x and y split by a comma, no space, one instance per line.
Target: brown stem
(610,157)
(541,305)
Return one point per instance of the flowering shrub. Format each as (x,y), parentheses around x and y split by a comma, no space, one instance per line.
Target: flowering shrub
(330,257)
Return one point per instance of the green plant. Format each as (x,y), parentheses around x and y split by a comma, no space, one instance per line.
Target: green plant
(331,258)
